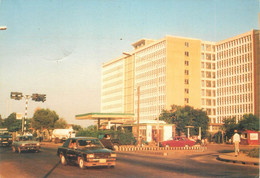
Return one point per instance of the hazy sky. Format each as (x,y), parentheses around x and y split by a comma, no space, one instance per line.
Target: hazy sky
(57,47)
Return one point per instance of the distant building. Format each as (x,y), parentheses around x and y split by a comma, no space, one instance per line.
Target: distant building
(220,77)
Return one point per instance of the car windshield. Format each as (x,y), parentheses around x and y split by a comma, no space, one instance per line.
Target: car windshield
(94,143)
(26,138)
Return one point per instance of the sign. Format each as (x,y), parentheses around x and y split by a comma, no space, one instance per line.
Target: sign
(253,136)
(19,116)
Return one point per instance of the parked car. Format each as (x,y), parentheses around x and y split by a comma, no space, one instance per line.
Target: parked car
(86,152)
(177,142)
(25,143)
(5,138)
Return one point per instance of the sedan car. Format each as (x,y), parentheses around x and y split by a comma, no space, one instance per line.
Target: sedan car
(25,143)
(5,139)
(177,142)
(86,152)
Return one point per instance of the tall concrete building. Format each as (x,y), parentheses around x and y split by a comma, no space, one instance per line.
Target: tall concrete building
(238,76)
(219,77)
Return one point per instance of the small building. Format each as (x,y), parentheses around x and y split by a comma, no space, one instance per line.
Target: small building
(250,137)
(148,130)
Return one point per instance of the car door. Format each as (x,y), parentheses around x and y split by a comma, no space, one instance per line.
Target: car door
(72,150)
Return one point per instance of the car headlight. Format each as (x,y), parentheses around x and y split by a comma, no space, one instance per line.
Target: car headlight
(10,139)
(23,144)
(90,155)
(113,155)
(38,144)
(0,138)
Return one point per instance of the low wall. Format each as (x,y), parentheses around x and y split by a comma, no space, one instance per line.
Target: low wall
(155,148)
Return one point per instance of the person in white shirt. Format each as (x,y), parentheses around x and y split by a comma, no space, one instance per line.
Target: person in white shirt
(236,140)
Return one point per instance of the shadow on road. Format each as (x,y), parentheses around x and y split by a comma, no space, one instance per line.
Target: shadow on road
(51,170)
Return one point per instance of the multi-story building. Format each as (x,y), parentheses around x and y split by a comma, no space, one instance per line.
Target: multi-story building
(220,77)
(238,76)
(113,85)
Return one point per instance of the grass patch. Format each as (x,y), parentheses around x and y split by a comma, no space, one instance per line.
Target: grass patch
(254,153)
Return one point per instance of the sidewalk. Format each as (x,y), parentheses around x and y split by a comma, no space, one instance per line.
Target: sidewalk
(241,158)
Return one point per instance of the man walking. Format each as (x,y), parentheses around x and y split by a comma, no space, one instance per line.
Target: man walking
(236,140)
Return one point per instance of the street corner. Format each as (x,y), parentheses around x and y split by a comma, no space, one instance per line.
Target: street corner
(240,159)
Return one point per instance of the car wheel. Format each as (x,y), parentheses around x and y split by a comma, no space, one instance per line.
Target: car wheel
(116,147)
(81,163)
(13,148)
(63,159)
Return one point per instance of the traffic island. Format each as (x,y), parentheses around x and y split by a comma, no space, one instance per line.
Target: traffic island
(240,159)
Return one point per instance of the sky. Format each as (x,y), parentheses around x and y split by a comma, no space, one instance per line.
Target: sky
(57,47)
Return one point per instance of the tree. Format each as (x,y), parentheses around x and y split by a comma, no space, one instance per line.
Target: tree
(186,116)
(60,124)
(249,122)
(229,125)
(11,123)
(76,127)
(44,119)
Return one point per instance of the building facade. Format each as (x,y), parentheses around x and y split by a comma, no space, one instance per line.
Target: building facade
(220,77)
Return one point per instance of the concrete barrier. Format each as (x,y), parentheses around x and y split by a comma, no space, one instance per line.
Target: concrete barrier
(130,148)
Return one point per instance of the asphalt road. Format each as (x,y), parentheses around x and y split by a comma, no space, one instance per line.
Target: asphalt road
(176,164)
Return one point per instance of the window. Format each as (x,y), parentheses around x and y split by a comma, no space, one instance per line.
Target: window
(186,90)
(186,72)
(186,100)
(186,44)
(186,53)
(186,63)
(186,81)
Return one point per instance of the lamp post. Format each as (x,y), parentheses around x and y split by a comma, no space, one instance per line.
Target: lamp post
(157,103)
(3,27)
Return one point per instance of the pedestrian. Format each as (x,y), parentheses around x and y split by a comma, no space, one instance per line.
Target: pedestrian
(236,140)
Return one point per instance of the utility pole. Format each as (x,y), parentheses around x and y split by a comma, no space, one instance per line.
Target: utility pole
(36,97)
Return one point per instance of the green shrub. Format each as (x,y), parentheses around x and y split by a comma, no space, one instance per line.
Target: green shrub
(254,153)
(125,138)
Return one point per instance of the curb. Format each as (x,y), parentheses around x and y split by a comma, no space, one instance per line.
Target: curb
(237,161)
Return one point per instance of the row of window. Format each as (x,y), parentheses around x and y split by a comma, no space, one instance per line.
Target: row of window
(235,89)
(234,43)
(117,83)
(112,107)
(207,47)
(208,65)
(208,75)
(208,102)
(207,83)
(107,70)
(239,79)
(209,93)
(234,109)
(246,58)
(234,99)
(234,70)
(208,57)
(155,48)
(235,51)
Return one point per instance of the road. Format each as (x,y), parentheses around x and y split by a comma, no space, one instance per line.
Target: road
(180,163)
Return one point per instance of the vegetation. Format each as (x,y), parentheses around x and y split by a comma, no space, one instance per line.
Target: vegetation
(254,153)
(248,122)
(44,119)
(60,124)
(125,137)
(13,124)
(186,116)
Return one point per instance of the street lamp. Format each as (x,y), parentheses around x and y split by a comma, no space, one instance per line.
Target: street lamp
(3,27)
